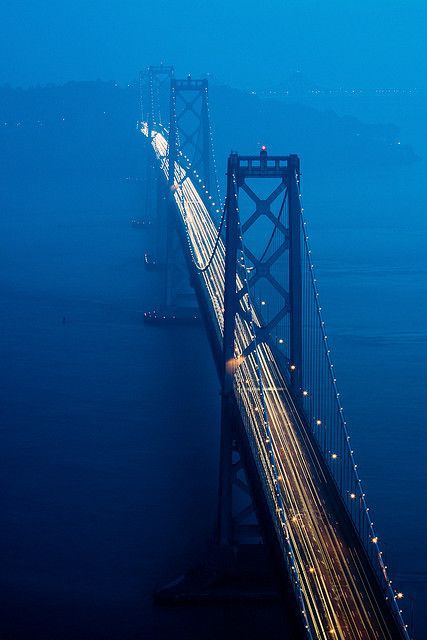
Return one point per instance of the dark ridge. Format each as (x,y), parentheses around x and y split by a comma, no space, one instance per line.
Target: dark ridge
(90,126)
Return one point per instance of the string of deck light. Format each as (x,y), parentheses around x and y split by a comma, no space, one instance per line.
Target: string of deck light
(180,174)
(159,111)
(151,81)
(141,97)
(190,244)
(189,167)
(373,538)
(211,202)
(196,150)
(179,178)
(268,435)
(194,171)
(212,149)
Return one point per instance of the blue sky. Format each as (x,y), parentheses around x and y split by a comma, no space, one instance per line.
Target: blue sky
(244,43)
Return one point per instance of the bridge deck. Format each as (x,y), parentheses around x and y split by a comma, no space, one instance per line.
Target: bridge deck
(341,599)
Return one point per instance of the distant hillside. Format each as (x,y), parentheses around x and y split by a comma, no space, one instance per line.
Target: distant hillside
(79,127)
(322,139)
(90,127)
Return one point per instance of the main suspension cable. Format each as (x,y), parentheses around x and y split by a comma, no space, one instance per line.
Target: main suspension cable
(273,233)
(216,243)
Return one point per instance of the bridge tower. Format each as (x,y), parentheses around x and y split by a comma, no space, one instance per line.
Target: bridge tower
(158,81)
(273,262)
(190,133)
(189,141)
(241,278)
(154,108)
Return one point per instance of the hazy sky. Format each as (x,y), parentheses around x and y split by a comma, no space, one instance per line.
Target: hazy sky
(243,42)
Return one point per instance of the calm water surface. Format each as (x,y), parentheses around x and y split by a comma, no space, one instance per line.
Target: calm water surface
(109,428)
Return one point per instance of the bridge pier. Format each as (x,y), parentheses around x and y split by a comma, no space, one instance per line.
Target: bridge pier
(177,300)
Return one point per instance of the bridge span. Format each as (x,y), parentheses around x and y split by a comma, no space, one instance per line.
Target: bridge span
(309,479)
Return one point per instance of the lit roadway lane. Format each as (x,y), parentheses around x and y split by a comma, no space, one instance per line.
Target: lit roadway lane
(339,601)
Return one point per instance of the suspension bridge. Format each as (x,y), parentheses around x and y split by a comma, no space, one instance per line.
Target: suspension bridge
(284,437)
